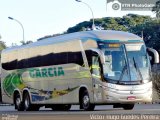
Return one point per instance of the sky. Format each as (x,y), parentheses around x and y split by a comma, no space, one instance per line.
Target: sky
(47,17)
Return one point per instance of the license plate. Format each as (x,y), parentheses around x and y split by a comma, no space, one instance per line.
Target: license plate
(131,98)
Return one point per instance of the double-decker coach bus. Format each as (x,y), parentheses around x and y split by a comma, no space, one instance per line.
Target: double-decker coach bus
(87,68)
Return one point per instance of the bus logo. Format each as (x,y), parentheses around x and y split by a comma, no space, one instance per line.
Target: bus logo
(46,72)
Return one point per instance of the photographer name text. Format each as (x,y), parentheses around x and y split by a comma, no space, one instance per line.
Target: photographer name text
(124,117)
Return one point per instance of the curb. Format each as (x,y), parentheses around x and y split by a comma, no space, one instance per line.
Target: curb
(148,103)
(5,104)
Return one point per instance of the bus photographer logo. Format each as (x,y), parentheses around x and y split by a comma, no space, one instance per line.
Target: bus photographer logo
(116,5)
(9,117)
(130,5)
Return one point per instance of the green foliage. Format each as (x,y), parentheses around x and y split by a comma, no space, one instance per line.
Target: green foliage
(109,23)
(48,36)
(143,26)
(156,9)
(25,42)
(80,27)
(150,31)
(2,45)
(137,24)
(156,83)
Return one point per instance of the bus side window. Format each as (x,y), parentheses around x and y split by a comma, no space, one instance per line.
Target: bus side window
(89,57)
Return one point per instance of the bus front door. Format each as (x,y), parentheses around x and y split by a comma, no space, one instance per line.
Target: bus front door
(96,77)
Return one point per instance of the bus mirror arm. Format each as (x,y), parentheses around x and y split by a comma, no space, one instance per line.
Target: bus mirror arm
(155,56)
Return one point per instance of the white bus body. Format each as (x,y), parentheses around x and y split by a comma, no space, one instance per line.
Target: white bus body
(86,68)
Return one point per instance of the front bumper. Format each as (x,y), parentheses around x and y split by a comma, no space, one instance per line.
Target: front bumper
(120,95)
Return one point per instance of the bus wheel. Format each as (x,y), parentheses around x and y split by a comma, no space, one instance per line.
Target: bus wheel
(18,103)
(128,106)
(27,102)
(85,102)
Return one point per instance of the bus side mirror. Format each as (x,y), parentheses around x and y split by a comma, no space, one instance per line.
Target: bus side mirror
(153,55)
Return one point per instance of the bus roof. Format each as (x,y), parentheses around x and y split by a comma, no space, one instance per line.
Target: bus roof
(110,35)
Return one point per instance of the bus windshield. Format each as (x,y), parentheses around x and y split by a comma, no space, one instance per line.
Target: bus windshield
(125,62)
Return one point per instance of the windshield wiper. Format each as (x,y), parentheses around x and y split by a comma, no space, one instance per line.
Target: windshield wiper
(137,69)
(126,67)
(123,71)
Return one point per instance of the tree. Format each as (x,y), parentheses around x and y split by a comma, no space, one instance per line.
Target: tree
(2,45)
(137,24)
(49,36)
(25,42)
(110,23)
(151,33)
(156,79)
(156,9)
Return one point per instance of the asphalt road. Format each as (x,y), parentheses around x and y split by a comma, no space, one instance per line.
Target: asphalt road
(140,112)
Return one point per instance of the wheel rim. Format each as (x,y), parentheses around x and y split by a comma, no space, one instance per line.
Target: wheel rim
(26,102)
(85,101)
(18,101)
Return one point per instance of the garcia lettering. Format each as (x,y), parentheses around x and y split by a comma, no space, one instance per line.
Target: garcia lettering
(46,72)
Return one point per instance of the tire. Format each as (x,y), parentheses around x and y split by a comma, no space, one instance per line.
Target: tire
(27,104)
(18,103)
(61,107)
(128,106)
(85,102)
